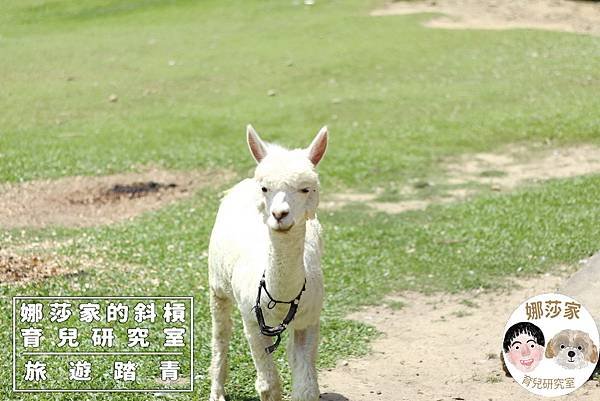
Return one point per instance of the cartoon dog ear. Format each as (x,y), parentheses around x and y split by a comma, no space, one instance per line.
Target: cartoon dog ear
(594,356)
(550,353)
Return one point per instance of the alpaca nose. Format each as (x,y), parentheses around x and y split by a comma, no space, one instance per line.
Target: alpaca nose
(280,214)
(571,354)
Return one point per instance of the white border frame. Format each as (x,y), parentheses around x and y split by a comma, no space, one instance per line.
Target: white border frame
(159,390)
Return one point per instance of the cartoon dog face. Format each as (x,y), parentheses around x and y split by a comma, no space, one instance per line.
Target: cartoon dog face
(572,349)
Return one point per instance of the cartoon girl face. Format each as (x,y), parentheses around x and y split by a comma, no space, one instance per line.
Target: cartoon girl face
(525,353)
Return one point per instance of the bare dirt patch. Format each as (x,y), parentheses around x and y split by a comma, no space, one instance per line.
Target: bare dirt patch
(342,199)
(23,268)
(557,15)
(440,347)
(89,201)
(519,165)
(470,174)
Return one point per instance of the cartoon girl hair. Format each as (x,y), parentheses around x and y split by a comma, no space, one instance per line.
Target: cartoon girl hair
(523,327)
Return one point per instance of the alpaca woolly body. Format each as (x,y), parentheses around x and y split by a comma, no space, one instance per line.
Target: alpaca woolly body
(267,225)
(242,249)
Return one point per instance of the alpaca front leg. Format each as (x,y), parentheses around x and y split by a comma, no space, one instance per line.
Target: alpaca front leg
(268,384)
(302,357)
(220,309)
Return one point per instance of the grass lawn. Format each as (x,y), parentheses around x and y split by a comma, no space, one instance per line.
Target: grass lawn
(397,97)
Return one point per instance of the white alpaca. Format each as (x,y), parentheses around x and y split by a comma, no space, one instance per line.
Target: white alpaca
(267,225)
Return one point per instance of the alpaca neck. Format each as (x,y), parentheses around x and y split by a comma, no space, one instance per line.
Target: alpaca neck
(285,271)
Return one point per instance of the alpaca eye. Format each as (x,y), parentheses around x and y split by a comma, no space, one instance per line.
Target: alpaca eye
(304,190)
(562,346)
(580,348)
(264,189)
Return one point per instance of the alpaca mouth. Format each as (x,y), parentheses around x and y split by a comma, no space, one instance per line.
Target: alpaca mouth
(282,228)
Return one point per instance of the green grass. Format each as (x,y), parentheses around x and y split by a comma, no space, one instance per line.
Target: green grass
(396,305)
(397,98)
(469,303)
(504,238)
(407,94)
(492,173)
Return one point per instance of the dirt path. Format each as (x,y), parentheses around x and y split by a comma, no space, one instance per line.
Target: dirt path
(89,201)
(469,174)
(557,15)
(440,347)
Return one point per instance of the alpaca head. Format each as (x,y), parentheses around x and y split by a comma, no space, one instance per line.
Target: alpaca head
(287,183)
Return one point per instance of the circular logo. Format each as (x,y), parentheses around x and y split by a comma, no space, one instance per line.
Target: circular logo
(551,345)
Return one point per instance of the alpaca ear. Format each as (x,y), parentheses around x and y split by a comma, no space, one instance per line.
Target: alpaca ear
(594,356)
(550,349)
(316,150)
(256,145)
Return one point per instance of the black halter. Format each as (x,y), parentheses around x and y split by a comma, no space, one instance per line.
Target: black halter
(277,330)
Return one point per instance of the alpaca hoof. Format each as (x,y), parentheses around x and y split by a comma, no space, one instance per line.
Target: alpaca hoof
(217,397)
(306,394)
(270,395)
